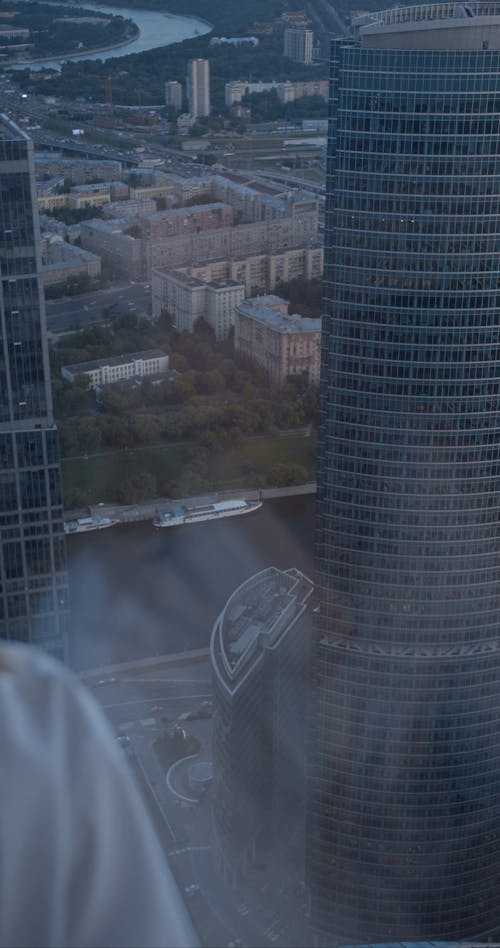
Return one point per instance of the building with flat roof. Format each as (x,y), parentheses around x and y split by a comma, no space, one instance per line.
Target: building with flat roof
(259,649)
(33,581)
(187,298)
(287,91)
(258,273)
(63,261)
(173,95)
(282,344)
(198,87)
(404,791)
(298,44)
(133,365)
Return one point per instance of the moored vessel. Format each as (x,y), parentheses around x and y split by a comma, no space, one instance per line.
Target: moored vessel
(179,514)
(84,524)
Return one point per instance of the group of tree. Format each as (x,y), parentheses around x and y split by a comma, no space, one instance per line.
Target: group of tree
(305,296)
(216,400)
(267,107)
(51,33)
(212,423)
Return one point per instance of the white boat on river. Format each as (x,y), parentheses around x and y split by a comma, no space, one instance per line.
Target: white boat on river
(179,514)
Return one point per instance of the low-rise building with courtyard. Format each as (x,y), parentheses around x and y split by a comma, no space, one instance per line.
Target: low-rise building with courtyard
(133,365)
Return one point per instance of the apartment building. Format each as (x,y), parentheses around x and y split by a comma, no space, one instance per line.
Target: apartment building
(186,298)
(173,95)
(287,91)
(78,171)
(257,274)
(186,220)
(62,261)
(298,44)
(282,344)
(132,208)
(198,87)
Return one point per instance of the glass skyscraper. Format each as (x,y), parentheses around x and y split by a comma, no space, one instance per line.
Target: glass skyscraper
(33,585)
(404,764)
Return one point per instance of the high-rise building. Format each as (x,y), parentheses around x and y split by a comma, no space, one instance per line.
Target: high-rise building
(33,587)
(404,771)
(198,87)
(298,44)
(258,651)
(173,94)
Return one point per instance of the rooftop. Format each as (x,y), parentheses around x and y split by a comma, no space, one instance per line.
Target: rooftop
(474,25)
(260,308)
(186,211)
(116,360)
(256,616)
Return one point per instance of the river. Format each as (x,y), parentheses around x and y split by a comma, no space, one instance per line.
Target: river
(156,29)
(137,592)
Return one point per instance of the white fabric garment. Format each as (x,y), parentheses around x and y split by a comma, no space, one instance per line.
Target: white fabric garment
(79,862)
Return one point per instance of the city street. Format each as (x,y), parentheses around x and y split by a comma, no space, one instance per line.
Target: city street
(77,311)
(268,909)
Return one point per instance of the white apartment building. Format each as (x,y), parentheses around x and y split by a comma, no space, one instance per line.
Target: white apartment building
(287,91)
(186,298)
(134,365)
(282,344)
(298,44)
(198,87)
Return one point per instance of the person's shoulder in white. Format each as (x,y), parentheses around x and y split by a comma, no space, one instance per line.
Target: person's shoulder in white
(80,865)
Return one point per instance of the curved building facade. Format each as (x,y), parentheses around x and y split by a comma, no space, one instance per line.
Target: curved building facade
(259,651)
(404,789)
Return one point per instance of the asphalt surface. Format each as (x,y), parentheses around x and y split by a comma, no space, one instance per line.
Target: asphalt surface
(77,311)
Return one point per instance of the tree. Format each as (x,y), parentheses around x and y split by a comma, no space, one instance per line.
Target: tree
(211,383)
(286,475)
(141,486)
(178,362)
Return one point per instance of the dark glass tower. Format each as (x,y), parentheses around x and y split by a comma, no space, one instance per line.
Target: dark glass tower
(404,767)
(33,586)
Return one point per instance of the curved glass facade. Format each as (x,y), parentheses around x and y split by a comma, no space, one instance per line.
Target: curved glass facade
(404,792)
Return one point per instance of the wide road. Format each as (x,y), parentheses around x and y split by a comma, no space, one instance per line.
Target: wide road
(77,311)
(128,699)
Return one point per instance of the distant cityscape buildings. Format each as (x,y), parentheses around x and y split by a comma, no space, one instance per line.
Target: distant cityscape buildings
(33,584)
(243,219)
(198,88)
(298,44)
(404,766)
(234,41)
(287,91)
(259,650)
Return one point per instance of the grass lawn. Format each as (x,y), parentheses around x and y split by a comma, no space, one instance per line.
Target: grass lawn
(236,466)
(100,474)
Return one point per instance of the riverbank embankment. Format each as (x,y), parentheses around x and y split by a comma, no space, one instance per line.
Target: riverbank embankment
(149,509)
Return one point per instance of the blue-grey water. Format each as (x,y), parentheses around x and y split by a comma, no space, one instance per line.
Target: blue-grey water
(156,29)
(137,591)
